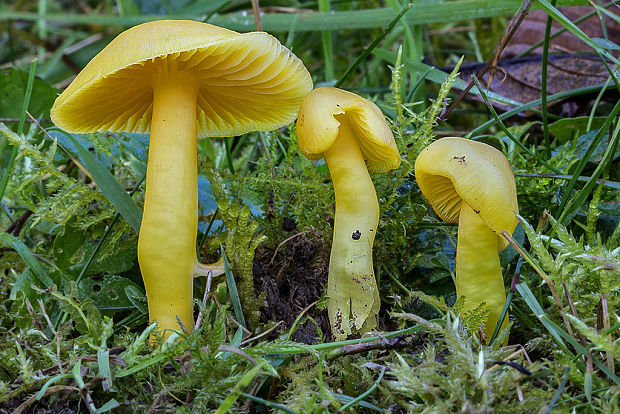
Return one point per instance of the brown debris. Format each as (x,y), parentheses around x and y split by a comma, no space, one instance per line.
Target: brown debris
(293,277)
(519,78)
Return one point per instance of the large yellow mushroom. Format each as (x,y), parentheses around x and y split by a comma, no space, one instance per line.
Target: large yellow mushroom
(350,132)
(180,80)
(472,183)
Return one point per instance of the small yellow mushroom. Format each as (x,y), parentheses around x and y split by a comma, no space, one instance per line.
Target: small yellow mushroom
(472,183)
(350,132)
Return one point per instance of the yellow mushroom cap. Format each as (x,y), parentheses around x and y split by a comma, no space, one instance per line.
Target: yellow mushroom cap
(452,170)
(320,117)
(246,81)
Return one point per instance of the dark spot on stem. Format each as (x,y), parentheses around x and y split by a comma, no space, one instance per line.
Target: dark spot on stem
(461,159)
(356,235)
(477,211)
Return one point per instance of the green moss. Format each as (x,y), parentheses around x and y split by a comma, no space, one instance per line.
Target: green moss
(240,242)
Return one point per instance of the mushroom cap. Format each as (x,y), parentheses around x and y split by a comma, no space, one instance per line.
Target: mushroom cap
(320,117)
(453,170)
(246,81)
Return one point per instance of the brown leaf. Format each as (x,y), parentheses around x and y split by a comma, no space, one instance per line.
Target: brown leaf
(520,78)
(532,30)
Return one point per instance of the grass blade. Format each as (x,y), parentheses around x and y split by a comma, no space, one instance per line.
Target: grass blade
(574,205)
(51,382)
(234,395)
(529,105)
(270,404)
(117,195)
(365,393)
(559,391)
(373,45)
(435,75)
(326,41)
(103,362)
(425,12)
(571,27)
(581,349)
(232,290)
(543,84)
(503,127)
(606,183)
(105,236)
(538,311)
(7,240)
(20,128)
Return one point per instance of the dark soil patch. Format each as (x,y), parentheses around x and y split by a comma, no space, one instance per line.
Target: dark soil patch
(294,276)
(61,406)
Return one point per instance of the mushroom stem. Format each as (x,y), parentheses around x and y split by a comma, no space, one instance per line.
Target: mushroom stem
(351,286)
(167,242)
(216,268)
(478,271)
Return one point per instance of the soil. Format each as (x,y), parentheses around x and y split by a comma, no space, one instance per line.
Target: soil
(61,406)
(294,275)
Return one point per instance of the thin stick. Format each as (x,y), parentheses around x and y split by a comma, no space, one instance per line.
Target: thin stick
(508,33)
(51,326)
(257,21)
(233,350)
(383,344)
(282,244)
(267,332)
(204,299)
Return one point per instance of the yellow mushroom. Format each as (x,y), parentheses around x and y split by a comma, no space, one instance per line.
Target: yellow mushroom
(180,80)
(350,132)
(472,183)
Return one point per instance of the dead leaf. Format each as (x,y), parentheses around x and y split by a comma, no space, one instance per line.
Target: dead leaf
(568,67)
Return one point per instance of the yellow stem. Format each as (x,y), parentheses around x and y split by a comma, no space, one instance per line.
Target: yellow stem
(167,242)
(351,287)
(478,271)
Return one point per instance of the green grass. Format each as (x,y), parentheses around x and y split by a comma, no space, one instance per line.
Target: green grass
(74,330)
